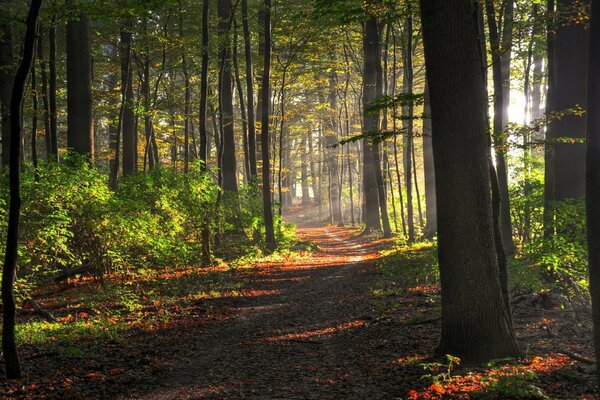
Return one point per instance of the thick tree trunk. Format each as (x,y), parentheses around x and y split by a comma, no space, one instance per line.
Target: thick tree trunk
(228,162)
(80,133)
(475,322)
(570,63)
(9,346)
(593,173)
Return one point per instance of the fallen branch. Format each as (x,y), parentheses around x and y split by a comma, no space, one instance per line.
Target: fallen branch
(577,357)
(62,276)
(37,309)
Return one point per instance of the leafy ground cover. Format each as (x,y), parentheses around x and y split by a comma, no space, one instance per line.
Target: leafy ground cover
(350,317)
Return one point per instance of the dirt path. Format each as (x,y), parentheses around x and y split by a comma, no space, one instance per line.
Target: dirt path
(296,337)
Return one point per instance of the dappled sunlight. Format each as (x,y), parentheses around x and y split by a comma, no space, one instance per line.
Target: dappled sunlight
(516,377)
(317,333)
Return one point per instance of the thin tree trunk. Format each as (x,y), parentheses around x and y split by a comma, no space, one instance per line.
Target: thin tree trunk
(428,163)
(45,100)
(9,346)
(250,92)
(53,86)
(266,168)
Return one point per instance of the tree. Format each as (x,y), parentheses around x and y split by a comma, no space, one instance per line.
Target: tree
(80,134)
(593,172)
(264,137)
(371,123)
(430,202)
(6,80)
(128,119)
(9,346)
(570,91)
(228,159)
(250,91)
(475,322)
(500,72)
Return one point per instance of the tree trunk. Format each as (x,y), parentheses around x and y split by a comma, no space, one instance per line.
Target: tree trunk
(475,322)
(128,122)
(570,63)
(9,346)
(430,204)
(330,137)
(250,91)
(371,123)
(34,118)
(593,173)
(499,60)
(550,128)
(228,167)
(52,83)
(206,255)
(6,82)
(80,133)
(44,91)
(266,168)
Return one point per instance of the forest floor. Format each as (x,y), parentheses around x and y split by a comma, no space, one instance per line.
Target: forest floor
(358,318)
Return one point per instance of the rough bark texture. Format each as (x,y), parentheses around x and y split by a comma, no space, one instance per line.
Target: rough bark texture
(475,323)
(250,91)
(549,145)
(80,137)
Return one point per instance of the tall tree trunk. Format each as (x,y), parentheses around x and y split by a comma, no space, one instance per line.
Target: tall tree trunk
(475,322)
(206,254)
(6,81)
(266,168)
(228,167)
(128,130)
(250,91)
(34,117)
(409,126)
(187,110)
(570,63)
(53,86)
(44,91)
(9,346)
(430,202)
(372,57)
(330,137)
(593,173)
(499,60)
(304,171)
(80,133)
(549,172)
(240,92)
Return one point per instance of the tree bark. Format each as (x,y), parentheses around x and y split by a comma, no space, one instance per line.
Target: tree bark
(6,82)
(593,173)
(80,133)
(228,162)
(250,91)
(570,63)
(9,346)
(129,133)
(266,168)
(371,123)
(430,203)
(499,62)
(475,322)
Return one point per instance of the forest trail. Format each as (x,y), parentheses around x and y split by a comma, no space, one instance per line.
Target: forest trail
(295,335)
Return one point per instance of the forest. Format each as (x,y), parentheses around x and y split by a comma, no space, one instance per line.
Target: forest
(300,199)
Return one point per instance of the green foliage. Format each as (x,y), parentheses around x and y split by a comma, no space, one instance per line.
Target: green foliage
(440,372)
(515,385)
(70,218)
